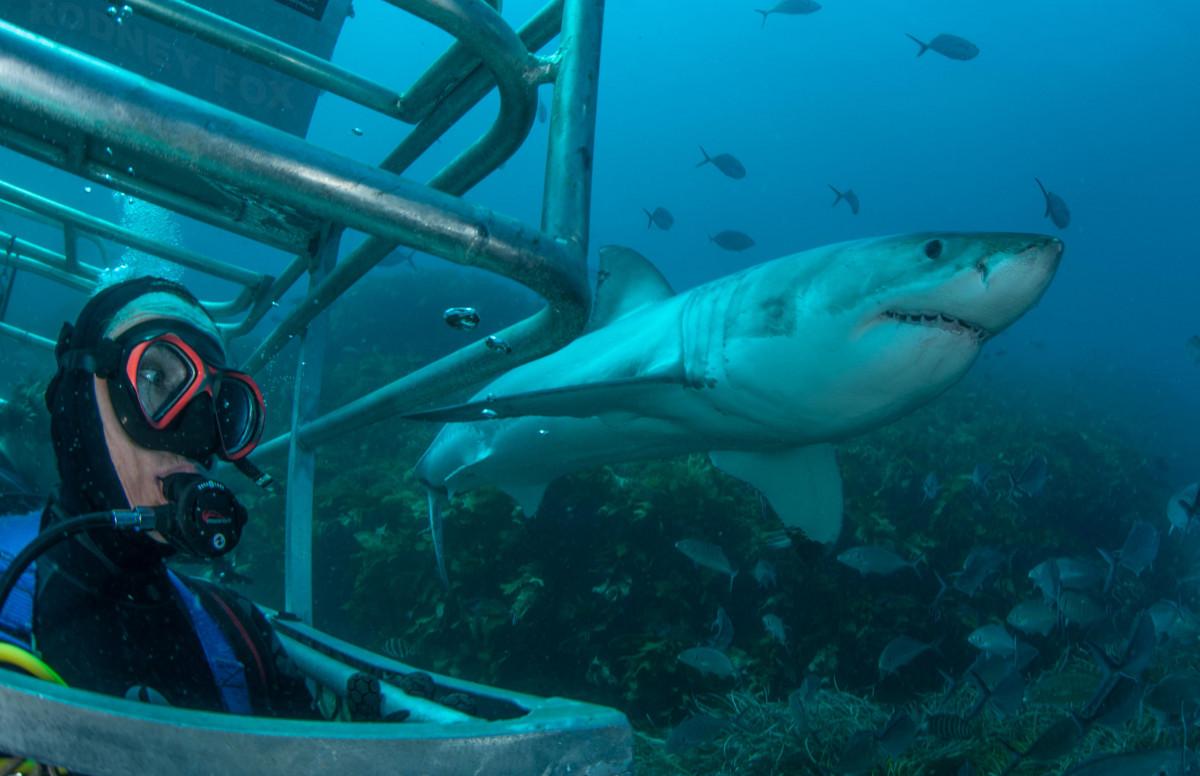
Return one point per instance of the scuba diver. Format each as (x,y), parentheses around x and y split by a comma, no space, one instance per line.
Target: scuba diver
(141,405)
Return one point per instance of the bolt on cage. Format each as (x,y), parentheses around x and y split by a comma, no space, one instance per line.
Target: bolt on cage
(221,149)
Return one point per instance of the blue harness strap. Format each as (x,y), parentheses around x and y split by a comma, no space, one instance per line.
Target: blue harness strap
(16,619)
(227,670)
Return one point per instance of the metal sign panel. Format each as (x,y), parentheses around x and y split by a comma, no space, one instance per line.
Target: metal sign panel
(183,62)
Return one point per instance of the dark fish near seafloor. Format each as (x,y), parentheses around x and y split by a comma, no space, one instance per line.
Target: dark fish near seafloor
(722,630)
(695,731)
(848,195)
(790,7)
(726,163)
(949,46)
(1056,208)
(733,240)
(775,628)
(897,735)
(901,651)
(1034,616)
(993,639)
(1183,507)
(660,217)
(868,559)
(710,556)
(764,574)
(707,660)
(1033,477)
(979,566)
(1140,548)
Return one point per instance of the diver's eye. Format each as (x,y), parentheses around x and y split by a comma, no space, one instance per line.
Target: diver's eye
(933,249)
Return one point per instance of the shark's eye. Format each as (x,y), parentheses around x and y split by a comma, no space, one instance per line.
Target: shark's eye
(933,249)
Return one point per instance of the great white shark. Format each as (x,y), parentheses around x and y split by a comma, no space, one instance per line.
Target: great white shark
(763,369)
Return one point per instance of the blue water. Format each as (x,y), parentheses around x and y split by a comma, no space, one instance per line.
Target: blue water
(1099,101)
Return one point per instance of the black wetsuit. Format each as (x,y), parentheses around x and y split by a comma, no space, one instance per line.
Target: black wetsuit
(110,630)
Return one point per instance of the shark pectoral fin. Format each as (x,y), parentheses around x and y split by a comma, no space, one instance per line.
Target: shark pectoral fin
(802,484)
(528,496)
(572,401)
(626,281)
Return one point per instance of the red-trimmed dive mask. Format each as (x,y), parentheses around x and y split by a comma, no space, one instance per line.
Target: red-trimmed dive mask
(171,391)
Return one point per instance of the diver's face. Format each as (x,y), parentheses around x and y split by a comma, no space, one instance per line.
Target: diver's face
(140,470)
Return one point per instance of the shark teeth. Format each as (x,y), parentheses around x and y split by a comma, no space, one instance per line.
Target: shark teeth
(941,320)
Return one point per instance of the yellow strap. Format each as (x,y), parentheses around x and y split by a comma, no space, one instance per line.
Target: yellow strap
(29,663)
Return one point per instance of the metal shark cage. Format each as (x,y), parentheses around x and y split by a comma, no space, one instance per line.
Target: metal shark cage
(219,138)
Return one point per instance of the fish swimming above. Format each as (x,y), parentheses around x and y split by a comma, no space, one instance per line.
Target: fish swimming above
(763,369)
(726,163)
(733,240)
(949,46)
(848,195)
(660,217)
(1056,208)
(790,7)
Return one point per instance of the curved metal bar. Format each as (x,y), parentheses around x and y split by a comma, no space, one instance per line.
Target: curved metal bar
(98,226)
(273,53)
(91,733)
(181,132)
(37,260)
(534,336)
(508,61)
(26,337)
(456,65)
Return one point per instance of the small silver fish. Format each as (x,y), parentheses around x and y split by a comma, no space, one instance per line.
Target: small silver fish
(764,574)
(775,628)
(993,639)
(980,476)
(901,651)
(710,556)
(1183,508)
(930,488)
(1033,616)
(722,630)
(1140,549)
(462,318)
(869,559)
(707,660)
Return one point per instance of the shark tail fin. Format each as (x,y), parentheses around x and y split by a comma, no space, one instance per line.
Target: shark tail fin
(706,158)
(924,46)
(435,532)
(649,218)
(840,196)
(765,14)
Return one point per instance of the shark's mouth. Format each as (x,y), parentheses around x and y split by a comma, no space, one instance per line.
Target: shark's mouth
(941,321)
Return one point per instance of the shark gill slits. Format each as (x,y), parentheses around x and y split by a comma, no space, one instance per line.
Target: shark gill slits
(933,249)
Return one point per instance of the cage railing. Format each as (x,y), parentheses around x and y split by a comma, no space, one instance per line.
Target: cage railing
(108,125)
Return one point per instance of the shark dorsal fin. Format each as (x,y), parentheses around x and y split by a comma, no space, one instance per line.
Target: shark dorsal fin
(626,281)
